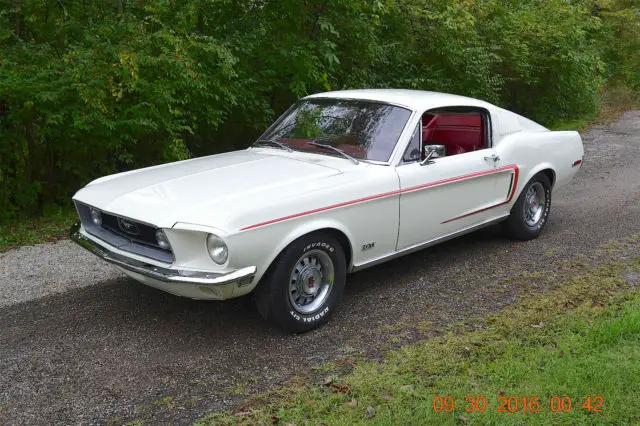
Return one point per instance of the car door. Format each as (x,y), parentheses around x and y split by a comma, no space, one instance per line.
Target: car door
(452,193)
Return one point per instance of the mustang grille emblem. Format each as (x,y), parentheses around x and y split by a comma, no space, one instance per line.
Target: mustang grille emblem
(128,227)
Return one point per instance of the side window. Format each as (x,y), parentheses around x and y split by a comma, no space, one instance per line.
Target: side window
(412,153)
(456,130)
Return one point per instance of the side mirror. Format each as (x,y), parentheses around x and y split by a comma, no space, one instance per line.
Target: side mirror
(431,152)
(427,159)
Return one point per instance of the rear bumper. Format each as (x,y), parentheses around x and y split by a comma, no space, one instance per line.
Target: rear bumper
(193,284)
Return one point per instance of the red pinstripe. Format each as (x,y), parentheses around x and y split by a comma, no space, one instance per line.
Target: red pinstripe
(513,191)
(459,178)
(321,209)
(398,192)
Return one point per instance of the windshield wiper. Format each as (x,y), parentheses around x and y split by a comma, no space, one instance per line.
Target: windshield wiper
(273,142)
(338,150)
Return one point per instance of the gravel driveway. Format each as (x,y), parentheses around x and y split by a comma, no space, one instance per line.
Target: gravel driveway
(80,343)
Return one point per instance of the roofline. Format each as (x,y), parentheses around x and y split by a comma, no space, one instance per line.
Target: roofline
(407,98)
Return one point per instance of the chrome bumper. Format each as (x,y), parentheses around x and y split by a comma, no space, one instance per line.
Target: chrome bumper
(239,276)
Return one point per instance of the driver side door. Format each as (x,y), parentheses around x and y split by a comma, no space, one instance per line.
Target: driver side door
(451,194)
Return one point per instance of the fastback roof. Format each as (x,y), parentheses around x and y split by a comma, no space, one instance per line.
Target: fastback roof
(414,99)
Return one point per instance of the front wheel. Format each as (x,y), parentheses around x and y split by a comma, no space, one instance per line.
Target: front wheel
(302,287)
(531,211)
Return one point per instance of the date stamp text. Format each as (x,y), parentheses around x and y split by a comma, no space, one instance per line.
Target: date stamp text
(514,404)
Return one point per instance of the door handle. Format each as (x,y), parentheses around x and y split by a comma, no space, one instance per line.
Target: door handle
(493,157)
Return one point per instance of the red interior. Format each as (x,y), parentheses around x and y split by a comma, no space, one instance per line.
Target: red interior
(459,133)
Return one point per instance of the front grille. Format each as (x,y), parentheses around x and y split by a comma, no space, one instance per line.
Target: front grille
(125,234)
(145,234)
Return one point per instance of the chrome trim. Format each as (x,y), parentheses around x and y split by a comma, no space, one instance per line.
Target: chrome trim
(440,150)
(420,246)
(241,276)
(376,162)
(427,160)
(114,236)
(493,157)
(76,202)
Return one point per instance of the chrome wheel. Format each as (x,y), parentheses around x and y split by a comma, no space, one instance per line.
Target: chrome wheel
(533,206)
(311,281)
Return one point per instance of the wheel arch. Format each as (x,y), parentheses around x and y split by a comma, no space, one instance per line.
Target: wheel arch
(551,174)
(344,241)
(545,168)
(335,229)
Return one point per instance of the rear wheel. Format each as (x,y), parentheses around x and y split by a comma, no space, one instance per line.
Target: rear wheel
(302,287)
(530,212)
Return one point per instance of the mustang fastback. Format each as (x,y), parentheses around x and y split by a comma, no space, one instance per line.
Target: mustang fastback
(340,182)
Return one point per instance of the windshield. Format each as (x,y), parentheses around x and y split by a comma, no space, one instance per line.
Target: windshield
(360,129)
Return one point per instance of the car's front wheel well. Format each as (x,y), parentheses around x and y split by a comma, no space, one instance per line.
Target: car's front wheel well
(342,239)
(551,175)
(340,236)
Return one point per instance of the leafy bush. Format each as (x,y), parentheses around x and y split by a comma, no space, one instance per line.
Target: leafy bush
(90,88)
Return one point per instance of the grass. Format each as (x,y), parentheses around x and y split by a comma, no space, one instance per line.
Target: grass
(52,226)
(581,340)
(614,101)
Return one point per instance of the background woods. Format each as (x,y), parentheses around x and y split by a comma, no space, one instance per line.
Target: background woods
(95,87)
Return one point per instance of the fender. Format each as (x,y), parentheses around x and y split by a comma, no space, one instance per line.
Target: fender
(537,169)
(305,228)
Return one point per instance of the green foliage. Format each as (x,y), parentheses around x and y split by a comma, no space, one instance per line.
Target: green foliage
(307,124)
(619,39)
(93,98)
(549,60)
(53,225)
(90,88)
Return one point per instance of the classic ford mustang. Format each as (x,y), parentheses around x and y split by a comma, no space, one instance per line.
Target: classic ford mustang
(340,182)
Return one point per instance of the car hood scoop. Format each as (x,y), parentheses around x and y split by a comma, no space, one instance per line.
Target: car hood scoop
(202,190)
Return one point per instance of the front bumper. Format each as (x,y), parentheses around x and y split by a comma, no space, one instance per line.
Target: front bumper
(193,284)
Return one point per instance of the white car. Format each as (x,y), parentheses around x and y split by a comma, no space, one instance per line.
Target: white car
(340,182)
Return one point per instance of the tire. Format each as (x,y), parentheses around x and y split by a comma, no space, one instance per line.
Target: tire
(530,213)
(289,295)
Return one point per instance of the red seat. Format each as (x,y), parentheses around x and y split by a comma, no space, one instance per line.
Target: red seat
(459,133)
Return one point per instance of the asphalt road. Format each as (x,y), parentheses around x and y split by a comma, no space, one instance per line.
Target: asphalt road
(80,343)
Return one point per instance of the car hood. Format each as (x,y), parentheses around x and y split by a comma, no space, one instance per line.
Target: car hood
(204,191)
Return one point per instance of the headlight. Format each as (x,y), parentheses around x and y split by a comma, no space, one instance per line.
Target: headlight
(96,217)
(162,239)
(217,249)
